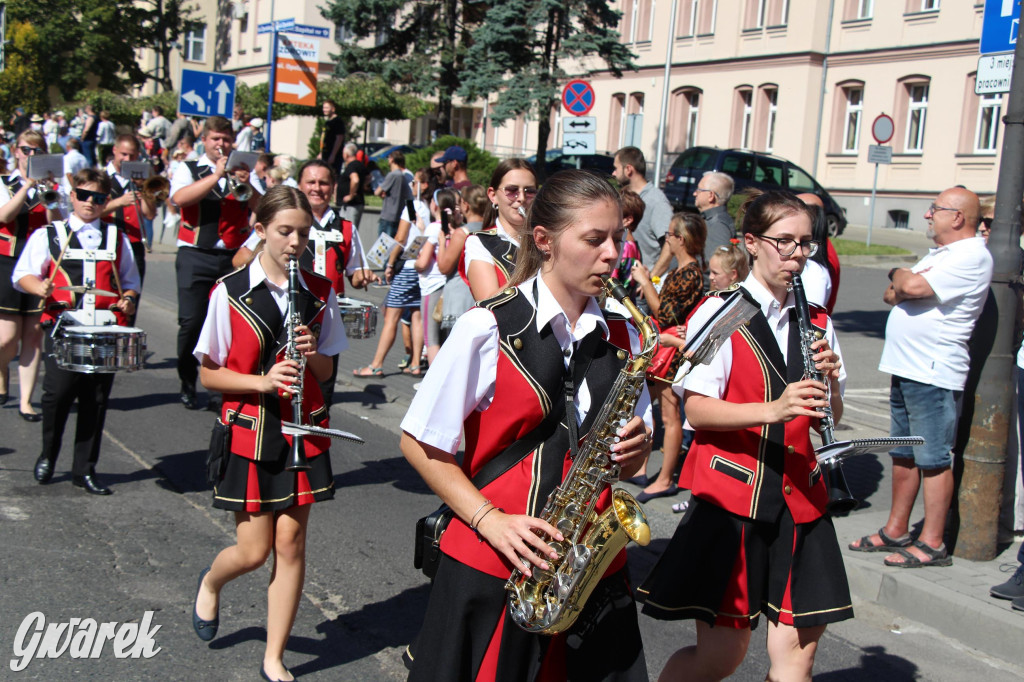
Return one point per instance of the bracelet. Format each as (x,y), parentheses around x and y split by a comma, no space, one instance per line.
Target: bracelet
(473,517)
(133,299)
(480,537)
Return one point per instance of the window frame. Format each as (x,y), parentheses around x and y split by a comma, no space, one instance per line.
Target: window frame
(991,103)
(191,41)
(851,108)
(920,108)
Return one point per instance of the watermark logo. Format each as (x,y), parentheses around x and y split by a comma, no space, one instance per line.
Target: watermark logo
(82,638)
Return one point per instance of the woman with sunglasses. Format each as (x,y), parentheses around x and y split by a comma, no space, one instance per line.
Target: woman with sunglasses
(490,254)
(444,208)
(755,538)
(21,213)
(496,379)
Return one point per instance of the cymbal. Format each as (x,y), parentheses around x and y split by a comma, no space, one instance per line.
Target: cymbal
(87,290)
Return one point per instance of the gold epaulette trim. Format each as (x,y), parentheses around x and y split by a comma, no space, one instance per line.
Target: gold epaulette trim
(500,298)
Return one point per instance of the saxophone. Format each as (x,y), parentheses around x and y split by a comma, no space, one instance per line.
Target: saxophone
(549,601)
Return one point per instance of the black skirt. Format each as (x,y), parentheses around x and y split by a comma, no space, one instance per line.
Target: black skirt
(726,570)
(467,635)
(12,301)
(252,486)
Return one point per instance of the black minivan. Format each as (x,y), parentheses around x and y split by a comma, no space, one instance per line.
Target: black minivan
(747,169)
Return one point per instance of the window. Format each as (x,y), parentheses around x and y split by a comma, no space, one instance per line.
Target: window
(929,5)
(342,34)
(987,135)
(693,99)
(778,12)
(684,110)
(637,20)
(854,114)
(756,10)
(383,34)
(377,129)
(772,98)
(705,13)
(798,181)
(914,6)
(746,113)
(917,110)
(195,43)
(616,120)
(686,26)
(769,171)
(860,9)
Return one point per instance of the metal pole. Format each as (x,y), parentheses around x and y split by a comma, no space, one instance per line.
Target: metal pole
(821,91)
(985,457)
(871,218)
(273,75)
(660,150)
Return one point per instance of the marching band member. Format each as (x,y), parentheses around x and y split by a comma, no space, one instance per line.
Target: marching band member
(239,349)
(755,538)
(126,201)
(499,389)
(98,256)
(213,225)
(21,213)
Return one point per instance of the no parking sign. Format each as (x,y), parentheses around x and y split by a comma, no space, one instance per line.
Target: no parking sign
(578,97)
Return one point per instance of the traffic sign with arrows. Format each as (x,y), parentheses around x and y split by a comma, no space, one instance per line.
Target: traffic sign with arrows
(298,63)
(579,124)
(206,93)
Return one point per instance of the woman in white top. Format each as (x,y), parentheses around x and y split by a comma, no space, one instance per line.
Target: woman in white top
(445,207)
(491,254)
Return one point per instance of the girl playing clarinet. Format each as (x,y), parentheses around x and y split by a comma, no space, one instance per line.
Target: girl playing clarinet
(756,539)
(240,352)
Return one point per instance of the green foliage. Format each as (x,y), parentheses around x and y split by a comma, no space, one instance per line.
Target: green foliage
(480,163)
(125,110)
(849,247)
(22,82)
(368,97)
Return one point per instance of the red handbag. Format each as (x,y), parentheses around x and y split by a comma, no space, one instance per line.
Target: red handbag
(662,360)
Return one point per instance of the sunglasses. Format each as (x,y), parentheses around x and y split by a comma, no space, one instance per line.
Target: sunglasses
(29,151)
(987,222)
(98,198)
(512,193)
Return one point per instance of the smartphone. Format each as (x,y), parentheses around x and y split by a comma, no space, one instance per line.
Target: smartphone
(412,210)
(444,224)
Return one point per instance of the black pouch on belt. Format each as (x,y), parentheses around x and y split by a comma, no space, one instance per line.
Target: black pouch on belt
(220,449)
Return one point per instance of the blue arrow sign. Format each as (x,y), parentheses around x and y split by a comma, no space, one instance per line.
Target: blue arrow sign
(1000,26)
(282,25)
(205,93)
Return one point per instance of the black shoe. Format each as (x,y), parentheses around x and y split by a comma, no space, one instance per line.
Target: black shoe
(1017,604)
(1012,588)
(91,485)
(3,398)
(188,397)
(44,469)
(264,675)
(31,417)
(205,629)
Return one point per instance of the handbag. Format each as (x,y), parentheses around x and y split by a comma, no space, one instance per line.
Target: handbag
(220,449)
(662,360)
(430,528)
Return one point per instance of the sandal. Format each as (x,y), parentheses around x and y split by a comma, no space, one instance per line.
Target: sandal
(405,362)
(680,507)
(937,556)
(887,544)
(368,371)
(413,372)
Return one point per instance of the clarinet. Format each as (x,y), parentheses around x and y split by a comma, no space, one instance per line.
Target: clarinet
(297,458)
(840,500)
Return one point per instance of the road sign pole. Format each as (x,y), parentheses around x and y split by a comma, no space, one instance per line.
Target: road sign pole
(273,77)
(871,218)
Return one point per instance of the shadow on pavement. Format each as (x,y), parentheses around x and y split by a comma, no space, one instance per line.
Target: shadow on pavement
(876,665)
(183,472)
(394,469)
(869,322)
(864,473)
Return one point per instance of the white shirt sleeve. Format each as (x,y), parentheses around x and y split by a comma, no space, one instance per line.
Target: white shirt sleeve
(955,275)
(34,259)
(182,178)
(710,379)
(252,241)
(128,271)
(215,338)
(332,332)
(817,283)
(355,256)
(475,250)
(5,194)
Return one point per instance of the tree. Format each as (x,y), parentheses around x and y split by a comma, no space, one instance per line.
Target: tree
(21,83)
(519,48)
(420,46)
(163,28)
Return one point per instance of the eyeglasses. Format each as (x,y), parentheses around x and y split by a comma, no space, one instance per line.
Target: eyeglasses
(787,247)
(702,189)
(987,222)
(512,193)
(98,198)
(935,207)
(29,151)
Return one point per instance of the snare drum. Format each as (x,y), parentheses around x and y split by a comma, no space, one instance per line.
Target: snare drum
(99,350)
(359,317)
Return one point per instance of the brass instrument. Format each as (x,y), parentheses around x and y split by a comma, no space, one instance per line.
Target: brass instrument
(156,188)
(297,460)
(238,190)
(50,196)
(548,602)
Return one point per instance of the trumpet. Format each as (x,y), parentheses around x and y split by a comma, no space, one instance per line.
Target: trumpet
(51,195)
(238,190)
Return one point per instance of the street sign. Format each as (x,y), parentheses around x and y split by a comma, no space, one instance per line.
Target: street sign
(282,25)
(580,124)
(999,26)
(882,129)
(579,143)
(879,153)
(994,71)
(298,63)
(310,31)
(578,97)
(205,93)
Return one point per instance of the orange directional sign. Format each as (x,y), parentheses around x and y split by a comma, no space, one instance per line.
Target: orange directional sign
(298,62)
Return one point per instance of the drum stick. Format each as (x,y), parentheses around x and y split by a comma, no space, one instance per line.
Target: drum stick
(117,280)
(60,258)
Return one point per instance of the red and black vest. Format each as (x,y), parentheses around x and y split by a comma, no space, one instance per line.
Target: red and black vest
(755,472)
(502,251)
(258,338)
(72,272)
(127,217)
(528,384)
(215,217)
(31,217)
(336,254)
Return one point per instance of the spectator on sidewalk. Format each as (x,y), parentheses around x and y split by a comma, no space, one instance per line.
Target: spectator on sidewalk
(935,306)
(395,192)
(350,185)
(631,172)
(711,196)
(454,162)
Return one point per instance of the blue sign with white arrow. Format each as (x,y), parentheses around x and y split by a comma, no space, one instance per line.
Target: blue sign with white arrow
(1000,26)
(206,93)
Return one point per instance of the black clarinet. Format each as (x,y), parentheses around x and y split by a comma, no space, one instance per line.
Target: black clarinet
(297,458)
(840,500)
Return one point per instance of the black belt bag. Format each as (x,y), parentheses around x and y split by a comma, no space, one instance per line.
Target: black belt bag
(220,449)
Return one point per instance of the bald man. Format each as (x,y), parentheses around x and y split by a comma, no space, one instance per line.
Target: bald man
(935,306)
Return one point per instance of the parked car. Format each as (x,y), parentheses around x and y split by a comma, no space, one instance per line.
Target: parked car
(384,152)
(556,161)
(747,169)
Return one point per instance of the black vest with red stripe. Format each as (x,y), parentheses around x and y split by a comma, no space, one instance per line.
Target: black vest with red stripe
(127,217)
(336,254)
(215,217)
(503,253)
(72,273)
(15,234)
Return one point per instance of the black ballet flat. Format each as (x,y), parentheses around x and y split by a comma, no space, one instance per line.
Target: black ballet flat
(31,417)
(205,629)
(264,675)
(4,398)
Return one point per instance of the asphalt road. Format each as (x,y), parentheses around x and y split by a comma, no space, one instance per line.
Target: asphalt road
(70,555)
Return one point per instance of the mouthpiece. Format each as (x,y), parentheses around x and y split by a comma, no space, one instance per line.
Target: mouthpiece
(522,212)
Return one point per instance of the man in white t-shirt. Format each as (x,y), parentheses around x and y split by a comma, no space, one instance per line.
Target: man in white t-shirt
(936,304)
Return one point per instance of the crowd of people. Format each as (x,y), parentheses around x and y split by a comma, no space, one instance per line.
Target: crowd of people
(498,295)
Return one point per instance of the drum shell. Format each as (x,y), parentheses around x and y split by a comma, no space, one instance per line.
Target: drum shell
(359,317)
(99,350)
